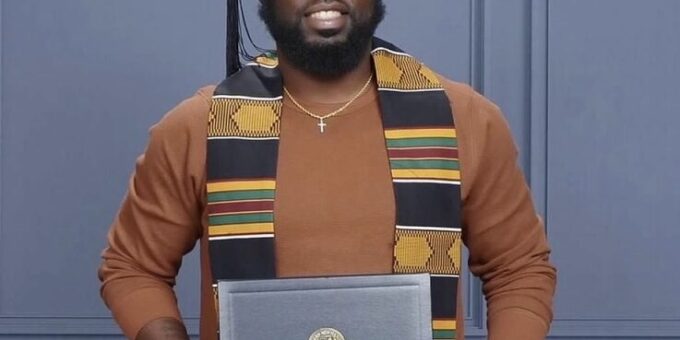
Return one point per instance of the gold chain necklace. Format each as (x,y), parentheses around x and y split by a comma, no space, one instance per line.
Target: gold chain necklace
(321,119)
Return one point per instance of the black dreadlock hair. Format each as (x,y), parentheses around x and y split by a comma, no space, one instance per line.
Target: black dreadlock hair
(236,48)
(233,37)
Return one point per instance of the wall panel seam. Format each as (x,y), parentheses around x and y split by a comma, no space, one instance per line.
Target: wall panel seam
(1,153)
(478,42)
(546,108)
(75,326)
(538,117)
(616,328)
(1,81)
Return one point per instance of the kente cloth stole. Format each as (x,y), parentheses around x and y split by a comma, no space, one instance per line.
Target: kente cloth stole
(420,136)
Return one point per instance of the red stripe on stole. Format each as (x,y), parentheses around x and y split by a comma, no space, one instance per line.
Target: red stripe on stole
(231,207)
(424,153)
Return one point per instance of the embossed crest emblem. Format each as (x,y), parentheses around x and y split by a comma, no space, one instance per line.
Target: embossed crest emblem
(326,334)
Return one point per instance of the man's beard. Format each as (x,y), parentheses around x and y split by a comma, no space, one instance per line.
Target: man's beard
(322,59)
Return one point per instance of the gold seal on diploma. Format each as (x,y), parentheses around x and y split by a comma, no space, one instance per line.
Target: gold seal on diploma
(326,334)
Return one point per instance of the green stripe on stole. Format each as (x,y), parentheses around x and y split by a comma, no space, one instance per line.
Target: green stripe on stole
(242,195)
(248,118)
(425,164)
(449,334)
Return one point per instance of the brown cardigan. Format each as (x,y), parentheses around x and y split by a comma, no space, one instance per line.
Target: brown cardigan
(334,212)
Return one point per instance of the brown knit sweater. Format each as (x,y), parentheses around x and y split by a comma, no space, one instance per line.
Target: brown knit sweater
(332,186)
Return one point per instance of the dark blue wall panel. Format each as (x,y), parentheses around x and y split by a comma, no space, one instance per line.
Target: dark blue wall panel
(613,186)
(83,81)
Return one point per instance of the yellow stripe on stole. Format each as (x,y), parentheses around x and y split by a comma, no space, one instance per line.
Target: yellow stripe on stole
(453,175)
(241,185)
(443,324)
(420,133)
(240,229)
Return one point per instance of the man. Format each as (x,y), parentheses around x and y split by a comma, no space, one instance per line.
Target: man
(341,138)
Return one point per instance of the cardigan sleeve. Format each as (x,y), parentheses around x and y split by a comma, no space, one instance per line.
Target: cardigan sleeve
(158,223)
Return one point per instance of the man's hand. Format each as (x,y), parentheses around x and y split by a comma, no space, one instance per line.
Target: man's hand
(163,329)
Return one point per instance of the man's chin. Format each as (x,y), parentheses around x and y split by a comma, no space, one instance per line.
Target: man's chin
(326,42)
(326,37)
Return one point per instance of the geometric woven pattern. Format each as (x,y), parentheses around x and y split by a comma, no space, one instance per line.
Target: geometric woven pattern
(403,72)
(427,251)
(231,117)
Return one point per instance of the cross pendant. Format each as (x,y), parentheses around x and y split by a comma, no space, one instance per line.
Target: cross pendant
(322,125)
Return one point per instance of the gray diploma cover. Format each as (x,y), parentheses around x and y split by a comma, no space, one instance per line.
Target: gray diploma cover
(339,308)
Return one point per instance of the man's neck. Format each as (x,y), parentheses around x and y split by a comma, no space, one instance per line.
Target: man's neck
(317,89)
